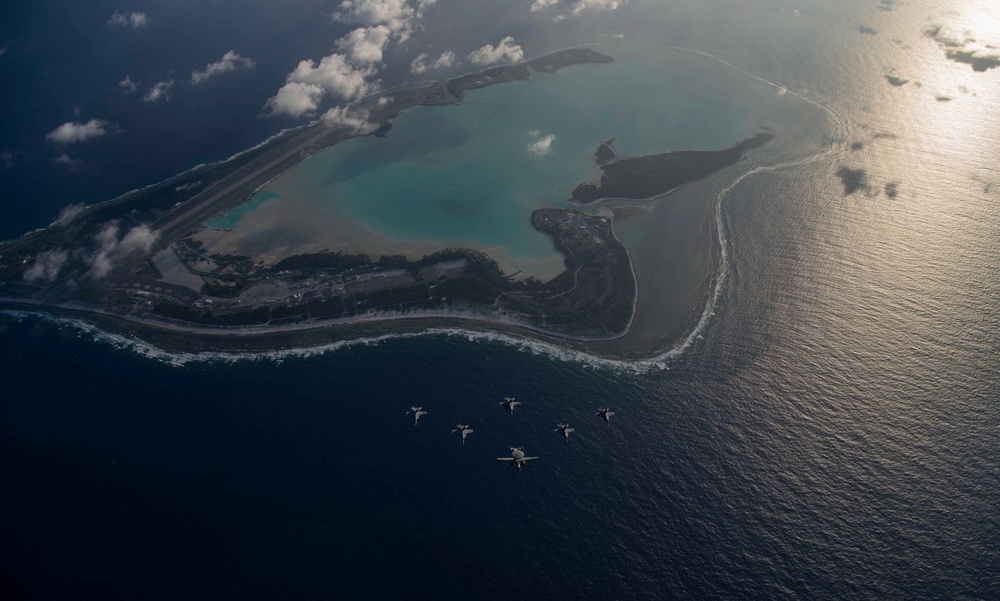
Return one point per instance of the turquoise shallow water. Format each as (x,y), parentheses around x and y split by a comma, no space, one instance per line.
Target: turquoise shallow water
(230,218)
(467,173)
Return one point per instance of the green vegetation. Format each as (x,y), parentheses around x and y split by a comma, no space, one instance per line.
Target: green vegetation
(549,63)
(322,260)
(642,177)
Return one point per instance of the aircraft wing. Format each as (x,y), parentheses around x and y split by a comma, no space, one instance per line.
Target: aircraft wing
(529,458)
(505,459)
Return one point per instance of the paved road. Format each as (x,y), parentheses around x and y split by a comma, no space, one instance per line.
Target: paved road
(217,197)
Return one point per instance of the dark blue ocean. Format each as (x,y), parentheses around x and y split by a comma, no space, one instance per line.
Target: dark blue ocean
(832,433)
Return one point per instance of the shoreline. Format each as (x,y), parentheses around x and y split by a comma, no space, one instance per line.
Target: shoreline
(300,324)
(296,333)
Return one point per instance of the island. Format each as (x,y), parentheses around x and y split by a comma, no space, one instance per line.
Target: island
(636,178)
(133,263)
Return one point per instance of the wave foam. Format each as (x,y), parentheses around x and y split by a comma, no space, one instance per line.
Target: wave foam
(180,359)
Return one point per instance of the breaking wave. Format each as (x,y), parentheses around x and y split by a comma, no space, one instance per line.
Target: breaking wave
(180,359)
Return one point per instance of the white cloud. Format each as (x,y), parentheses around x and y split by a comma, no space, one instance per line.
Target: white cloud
(397,15)
(306,86)
(296,99)
(444,61)
(100,265)
(364,45)
(542,5)
(506,51)
(579,7)
(335,75)
(139,238)
(598,5)
(355,120)
(46,266)
(135,19)
(107,238)
(64,160)
(349,72)
(69,132)
(420,64)
(111,249)
(423,5)
(159,91)
(128,84)
(69,213)
(542,144)
(229,62)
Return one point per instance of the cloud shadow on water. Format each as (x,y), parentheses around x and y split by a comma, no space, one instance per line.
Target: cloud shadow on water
(852,179)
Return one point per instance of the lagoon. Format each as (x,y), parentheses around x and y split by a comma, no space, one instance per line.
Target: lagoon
(471,173)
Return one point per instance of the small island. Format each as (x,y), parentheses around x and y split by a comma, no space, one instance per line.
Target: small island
(549,63)
(638,178)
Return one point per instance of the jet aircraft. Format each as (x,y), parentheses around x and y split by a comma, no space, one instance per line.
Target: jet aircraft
(564,429)
(517,457)
(606,413)
(416,412)
(510,403)
(464,430)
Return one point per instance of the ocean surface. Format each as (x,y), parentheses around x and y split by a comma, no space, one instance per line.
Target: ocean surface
(829,432)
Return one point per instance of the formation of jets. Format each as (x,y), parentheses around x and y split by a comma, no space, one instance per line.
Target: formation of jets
(517,457)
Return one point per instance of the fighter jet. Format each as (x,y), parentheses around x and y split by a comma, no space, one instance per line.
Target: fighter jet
(416,412)
(510,403)
(565,430)
(516,457)
(464,430)
(606,413)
